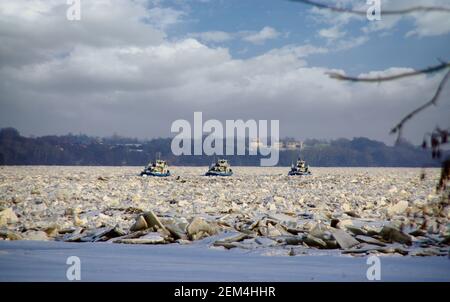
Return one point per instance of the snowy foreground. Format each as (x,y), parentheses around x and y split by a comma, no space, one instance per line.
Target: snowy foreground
(46,261)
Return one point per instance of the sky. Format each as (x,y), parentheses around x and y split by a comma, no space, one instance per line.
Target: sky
(132,67)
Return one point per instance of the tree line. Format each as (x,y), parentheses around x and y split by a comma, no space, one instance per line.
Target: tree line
(84,150)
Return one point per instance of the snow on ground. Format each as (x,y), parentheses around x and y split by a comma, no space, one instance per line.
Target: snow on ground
(46,261)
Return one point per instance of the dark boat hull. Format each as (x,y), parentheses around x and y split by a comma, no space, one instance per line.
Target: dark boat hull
(214,173)
(298,173)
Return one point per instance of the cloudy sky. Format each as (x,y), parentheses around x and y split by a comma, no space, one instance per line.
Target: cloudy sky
(132,67)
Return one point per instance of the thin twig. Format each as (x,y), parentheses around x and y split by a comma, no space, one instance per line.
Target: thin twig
(398,128)
(428,70)
(384,12)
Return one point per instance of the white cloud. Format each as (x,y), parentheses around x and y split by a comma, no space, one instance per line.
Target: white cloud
(162,17)
(332,33)
(254,37)
(102,90)
(267,33)
(213,36)
(422,23)
(435,24)
(37,30)
(349,43)
(298,51)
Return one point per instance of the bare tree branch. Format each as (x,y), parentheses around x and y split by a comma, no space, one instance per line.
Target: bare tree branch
(431,69)
(436,153)
(384,12)
(398,128)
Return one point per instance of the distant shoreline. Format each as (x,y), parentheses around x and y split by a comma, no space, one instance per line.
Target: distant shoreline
(82,150)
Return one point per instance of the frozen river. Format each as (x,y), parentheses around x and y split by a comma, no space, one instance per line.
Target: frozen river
(316,228)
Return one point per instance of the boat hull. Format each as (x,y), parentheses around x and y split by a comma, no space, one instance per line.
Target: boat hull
(298,173)
(155,174)
(213,173)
